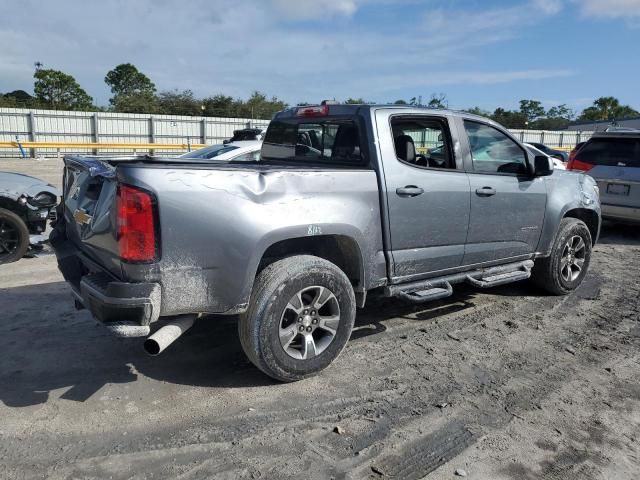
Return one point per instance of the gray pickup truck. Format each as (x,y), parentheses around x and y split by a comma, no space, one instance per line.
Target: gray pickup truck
(346,201)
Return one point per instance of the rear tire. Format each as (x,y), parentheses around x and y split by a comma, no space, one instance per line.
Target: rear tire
(563,271)
(299,319)
(14,237)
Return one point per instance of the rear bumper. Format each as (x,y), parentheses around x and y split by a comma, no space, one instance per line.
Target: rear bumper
(617,212)
(109,300)
(121,302)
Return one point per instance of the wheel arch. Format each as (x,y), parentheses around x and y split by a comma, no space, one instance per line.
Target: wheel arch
(11,204)
(338,248)
(589,217)
(341,250)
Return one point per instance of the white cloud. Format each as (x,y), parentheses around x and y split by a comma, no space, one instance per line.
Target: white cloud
(549,7)
(610,8)
(315,9)
(438,79)
(491,78)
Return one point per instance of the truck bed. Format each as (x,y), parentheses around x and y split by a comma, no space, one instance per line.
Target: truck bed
(216,221)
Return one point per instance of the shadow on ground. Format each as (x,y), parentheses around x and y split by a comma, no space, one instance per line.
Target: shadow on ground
(46,345)
(619,234)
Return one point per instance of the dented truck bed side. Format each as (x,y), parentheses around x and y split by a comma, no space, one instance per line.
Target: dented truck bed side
(216,222)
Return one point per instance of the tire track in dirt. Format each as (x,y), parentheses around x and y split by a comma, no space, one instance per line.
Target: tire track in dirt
(416,390)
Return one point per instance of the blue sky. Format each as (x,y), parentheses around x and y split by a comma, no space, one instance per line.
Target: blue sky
(478,53)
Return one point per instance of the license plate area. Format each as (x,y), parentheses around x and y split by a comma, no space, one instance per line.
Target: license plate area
(618,189)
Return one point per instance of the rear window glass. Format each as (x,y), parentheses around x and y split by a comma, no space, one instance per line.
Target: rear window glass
(328,141)
(621,152)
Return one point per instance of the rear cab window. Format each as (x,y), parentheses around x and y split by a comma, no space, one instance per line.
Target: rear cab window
(335,141)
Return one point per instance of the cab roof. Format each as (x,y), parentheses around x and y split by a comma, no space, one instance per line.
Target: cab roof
(341,109)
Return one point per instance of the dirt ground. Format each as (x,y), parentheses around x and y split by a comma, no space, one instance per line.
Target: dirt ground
(507,383)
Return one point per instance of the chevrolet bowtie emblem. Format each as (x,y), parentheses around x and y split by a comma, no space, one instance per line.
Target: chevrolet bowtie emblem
(82,217)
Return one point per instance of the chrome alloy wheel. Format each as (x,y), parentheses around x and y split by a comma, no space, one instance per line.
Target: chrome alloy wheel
(309,322)
(573,258)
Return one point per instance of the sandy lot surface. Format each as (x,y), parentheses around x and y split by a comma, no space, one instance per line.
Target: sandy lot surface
(48,169)
(502,383)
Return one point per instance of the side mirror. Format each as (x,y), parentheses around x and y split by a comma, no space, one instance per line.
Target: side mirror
(543,166)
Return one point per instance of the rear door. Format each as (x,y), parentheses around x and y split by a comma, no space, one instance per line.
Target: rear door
(507,203)
(427,193)
(614,162)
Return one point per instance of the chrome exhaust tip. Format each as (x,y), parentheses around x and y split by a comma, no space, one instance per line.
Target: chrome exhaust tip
(165,336)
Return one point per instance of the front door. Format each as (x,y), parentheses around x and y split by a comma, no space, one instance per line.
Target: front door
(507,203)
(427,194)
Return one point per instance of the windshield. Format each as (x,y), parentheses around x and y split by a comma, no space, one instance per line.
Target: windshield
(313,141)
(210,152)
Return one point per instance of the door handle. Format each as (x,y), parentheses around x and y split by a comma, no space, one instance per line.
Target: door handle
(485,191)
(409,191)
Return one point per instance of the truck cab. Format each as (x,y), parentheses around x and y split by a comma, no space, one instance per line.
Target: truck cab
(345,201)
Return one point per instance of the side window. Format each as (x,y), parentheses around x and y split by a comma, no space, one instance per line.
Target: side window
(492,151)
(422,142)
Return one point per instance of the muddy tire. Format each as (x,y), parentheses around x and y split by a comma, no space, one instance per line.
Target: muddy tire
(14,237)
(299,318)
(563,271)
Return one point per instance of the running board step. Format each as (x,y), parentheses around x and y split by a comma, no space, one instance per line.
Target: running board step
(502,275)
(433,293)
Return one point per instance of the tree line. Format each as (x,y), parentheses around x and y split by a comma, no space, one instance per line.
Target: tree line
(134,92)
(533,115)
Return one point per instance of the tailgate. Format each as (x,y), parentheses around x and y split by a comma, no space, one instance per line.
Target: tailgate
(618,185)
(89,214)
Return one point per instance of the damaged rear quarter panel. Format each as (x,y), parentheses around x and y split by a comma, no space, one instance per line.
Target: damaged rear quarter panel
(217,222)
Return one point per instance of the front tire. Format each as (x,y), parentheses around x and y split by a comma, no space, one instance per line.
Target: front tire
(563,271)
(299,319)
(14,237)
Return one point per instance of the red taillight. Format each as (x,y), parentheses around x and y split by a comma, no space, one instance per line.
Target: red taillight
(313,111)
(136,225)
(575,164)
(572,155)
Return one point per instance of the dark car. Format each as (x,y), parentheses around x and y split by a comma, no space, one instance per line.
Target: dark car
(25,205)
(246,134)
(552,152)
(613,159)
